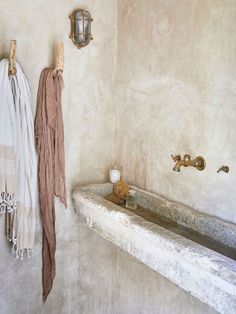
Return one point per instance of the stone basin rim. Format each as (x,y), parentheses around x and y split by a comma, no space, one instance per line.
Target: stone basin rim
(169,203)
(206,274)
(218,264)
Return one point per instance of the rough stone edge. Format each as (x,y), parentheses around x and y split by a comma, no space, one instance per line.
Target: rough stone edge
(215,228)
(219,270)
(216,263)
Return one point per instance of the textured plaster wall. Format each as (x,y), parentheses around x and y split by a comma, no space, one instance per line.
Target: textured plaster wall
(176,93)
(89,132)
(93,276)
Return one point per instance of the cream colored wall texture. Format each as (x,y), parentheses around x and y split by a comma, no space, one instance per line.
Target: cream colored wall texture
(168,88)
(176,94)
(89,132)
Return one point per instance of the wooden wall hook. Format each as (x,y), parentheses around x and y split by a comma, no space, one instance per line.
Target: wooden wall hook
(12,57)
(59,62)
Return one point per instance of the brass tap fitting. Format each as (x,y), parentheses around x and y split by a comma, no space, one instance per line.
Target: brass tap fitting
(198,162)
(223,168)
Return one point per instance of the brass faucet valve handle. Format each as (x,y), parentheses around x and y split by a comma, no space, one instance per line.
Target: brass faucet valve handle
(176,157)
(187,157)
(223,168)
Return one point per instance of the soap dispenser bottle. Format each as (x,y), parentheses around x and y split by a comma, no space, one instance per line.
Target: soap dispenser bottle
(114,174)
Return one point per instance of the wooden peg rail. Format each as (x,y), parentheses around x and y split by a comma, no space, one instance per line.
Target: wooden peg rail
(12,57)
(59,64)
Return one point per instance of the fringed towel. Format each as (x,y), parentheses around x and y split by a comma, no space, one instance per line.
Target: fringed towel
(8,176)
(18,163)
(49,134)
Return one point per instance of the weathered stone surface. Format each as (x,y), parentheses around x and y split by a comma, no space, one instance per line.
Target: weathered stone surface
(209,276)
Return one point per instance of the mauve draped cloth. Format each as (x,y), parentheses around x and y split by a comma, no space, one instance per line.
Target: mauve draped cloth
(49,135)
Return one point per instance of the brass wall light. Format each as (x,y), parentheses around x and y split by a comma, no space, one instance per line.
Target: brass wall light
(80,28)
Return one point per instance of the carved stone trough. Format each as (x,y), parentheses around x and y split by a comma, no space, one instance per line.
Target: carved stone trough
(195,251)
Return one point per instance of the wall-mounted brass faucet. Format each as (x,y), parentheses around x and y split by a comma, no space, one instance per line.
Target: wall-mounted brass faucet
(198,162)
(223,168)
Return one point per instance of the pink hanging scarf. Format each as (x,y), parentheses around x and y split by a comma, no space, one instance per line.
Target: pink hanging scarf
(49,134)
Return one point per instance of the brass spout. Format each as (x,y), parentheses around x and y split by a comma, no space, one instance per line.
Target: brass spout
(198,162)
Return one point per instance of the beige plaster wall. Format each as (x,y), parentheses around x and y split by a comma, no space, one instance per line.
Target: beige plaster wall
(93,276)
(176,93)
(89,135)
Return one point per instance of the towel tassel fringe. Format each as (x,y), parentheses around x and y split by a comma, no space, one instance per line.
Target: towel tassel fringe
(7,203)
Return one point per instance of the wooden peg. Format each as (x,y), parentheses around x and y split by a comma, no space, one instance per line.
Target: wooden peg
(12,57)
(59,66)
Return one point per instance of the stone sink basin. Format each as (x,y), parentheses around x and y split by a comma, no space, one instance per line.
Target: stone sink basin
(194,250)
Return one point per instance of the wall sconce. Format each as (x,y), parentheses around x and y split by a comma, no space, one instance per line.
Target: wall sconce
(80,28)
